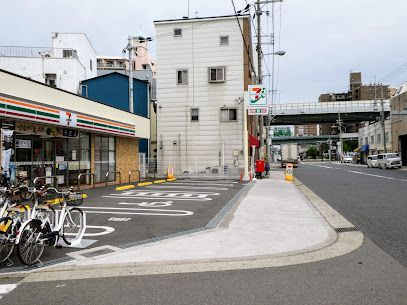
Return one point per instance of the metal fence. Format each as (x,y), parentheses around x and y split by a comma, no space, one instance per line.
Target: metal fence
(38,52)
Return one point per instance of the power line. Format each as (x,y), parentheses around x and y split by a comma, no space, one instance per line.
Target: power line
(244,39)
(400,69)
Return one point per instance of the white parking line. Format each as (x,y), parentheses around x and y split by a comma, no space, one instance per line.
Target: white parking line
(136,211)
(6,288)
(166,186)
(197,183)
(377,176)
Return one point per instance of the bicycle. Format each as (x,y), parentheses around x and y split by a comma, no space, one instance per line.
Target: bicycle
(39,231)
(13,212)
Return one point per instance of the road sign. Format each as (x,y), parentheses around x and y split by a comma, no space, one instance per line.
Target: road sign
(258,111)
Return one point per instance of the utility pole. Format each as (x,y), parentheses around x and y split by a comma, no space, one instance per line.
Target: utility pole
(382,119)
(259,73)
(130,49)
(339,121)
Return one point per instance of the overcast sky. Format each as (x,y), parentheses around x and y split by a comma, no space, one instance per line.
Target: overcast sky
(324,39)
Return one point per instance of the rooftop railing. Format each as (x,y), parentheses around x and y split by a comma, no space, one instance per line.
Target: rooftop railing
(37,52)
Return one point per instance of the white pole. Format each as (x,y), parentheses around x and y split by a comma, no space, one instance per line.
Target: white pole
(245,141)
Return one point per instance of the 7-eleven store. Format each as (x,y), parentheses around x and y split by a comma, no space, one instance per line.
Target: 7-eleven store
(51,132)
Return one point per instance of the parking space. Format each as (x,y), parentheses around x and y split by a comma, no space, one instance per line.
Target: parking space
(118,219)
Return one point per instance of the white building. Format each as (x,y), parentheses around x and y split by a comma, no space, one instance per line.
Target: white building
(70,60)
(372,135)
(203,69)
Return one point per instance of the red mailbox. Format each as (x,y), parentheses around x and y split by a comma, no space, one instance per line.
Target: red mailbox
(260,166)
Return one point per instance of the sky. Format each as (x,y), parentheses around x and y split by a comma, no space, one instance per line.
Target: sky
(324,39)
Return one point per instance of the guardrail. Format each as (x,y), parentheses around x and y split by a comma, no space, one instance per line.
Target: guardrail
(115,172)
(86,174)
(45,177)
(135,170)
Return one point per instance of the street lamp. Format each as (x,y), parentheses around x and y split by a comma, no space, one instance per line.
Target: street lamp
(278,53)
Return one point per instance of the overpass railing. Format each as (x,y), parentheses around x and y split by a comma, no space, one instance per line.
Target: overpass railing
(330,107)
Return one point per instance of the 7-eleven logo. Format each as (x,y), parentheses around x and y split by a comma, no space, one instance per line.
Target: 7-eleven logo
(67,118)
(258,95)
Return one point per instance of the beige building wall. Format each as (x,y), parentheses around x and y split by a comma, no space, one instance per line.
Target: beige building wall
(127,157)
(399,118)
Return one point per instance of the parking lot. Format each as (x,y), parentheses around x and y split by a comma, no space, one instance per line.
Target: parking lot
(119,219)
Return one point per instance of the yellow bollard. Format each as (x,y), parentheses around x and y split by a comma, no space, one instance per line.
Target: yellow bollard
(170,173)
(289,172)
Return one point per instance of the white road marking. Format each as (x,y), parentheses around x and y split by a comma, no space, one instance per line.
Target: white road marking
(187,187)
(137,211)
(197,183)
(105,230)
(154,204)
(164,191)
(377,176)
(118,219)
(163,212)
(6,288)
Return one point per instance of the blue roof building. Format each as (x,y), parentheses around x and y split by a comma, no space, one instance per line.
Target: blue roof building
(112,89)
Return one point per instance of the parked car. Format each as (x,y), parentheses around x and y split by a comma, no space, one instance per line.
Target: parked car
(388,160)
(347,159)
(372,161)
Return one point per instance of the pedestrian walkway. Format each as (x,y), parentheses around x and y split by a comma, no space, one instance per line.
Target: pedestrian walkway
(274,219)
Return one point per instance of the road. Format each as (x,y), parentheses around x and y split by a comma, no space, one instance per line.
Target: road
(371,275)
(374,200)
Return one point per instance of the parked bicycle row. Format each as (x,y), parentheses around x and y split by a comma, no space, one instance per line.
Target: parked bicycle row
(30,220)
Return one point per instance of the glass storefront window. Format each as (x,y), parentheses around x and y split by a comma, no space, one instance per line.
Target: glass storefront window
(105,158)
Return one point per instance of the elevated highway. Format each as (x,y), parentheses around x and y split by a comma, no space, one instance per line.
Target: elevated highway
(328,112)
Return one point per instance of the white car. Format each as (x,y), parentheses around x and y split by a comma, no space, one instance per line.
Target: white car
(347,159)
(372,161)
(388,160)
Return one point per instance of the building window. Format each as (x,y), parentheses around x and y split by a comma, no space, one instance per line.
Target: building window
(228,114)
(387,137)
(372,140)
(91,65)
(217,74)
(224,40)
(67,53)
(144,66)
(378,139)
(182,77)
(194,114)
(51,80)
(177,32)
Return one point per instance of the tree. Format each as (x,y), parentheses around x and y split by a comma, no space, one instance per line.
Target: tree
(312,151)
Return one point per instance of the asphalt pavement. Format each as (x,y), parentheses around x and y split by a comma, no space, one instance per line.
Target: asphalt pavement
(374,200)
(366,276)
(120,219)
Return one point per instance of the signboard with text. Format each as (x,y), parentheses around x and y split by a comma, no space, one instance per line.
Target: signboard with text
(258,100)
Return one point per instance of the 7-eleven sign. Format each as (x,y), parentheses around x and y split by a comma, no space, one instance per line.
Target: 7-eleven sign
(258,96)
(67,118)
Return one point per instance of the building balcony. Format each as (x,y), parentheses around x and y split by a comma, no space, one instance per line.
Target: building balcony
(108,66)
(37,52)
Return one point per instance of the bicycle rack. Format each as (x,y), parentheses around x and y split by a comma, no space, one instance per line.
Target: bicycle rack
(135,170)
(46,177)
(86,174)
(115,172)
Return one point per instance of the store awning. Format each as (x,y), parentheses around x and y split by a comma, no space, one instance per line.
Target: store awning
(253,141)
(365,148)
(357,149)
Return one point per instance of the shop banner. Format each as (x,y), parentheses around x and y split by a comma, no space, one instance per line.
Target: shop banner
(7,139)
(43,130)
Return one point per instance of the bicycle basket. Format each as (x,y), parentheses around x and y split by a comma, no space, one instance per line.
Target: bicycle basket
(74,199)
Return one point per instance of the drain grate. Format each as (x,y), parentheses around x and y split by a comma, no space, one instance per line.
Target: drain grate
(349,229)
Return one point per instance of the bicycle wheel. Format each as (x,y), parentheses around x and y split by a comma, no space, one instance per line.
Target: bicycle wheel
(46,213)
(73,225)
(6,240)
(30,246)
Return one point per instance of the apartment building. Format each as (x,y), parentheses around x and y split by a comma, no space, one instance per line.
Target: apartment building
(203,68)
(70,60)
(373,138)
(399,122)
